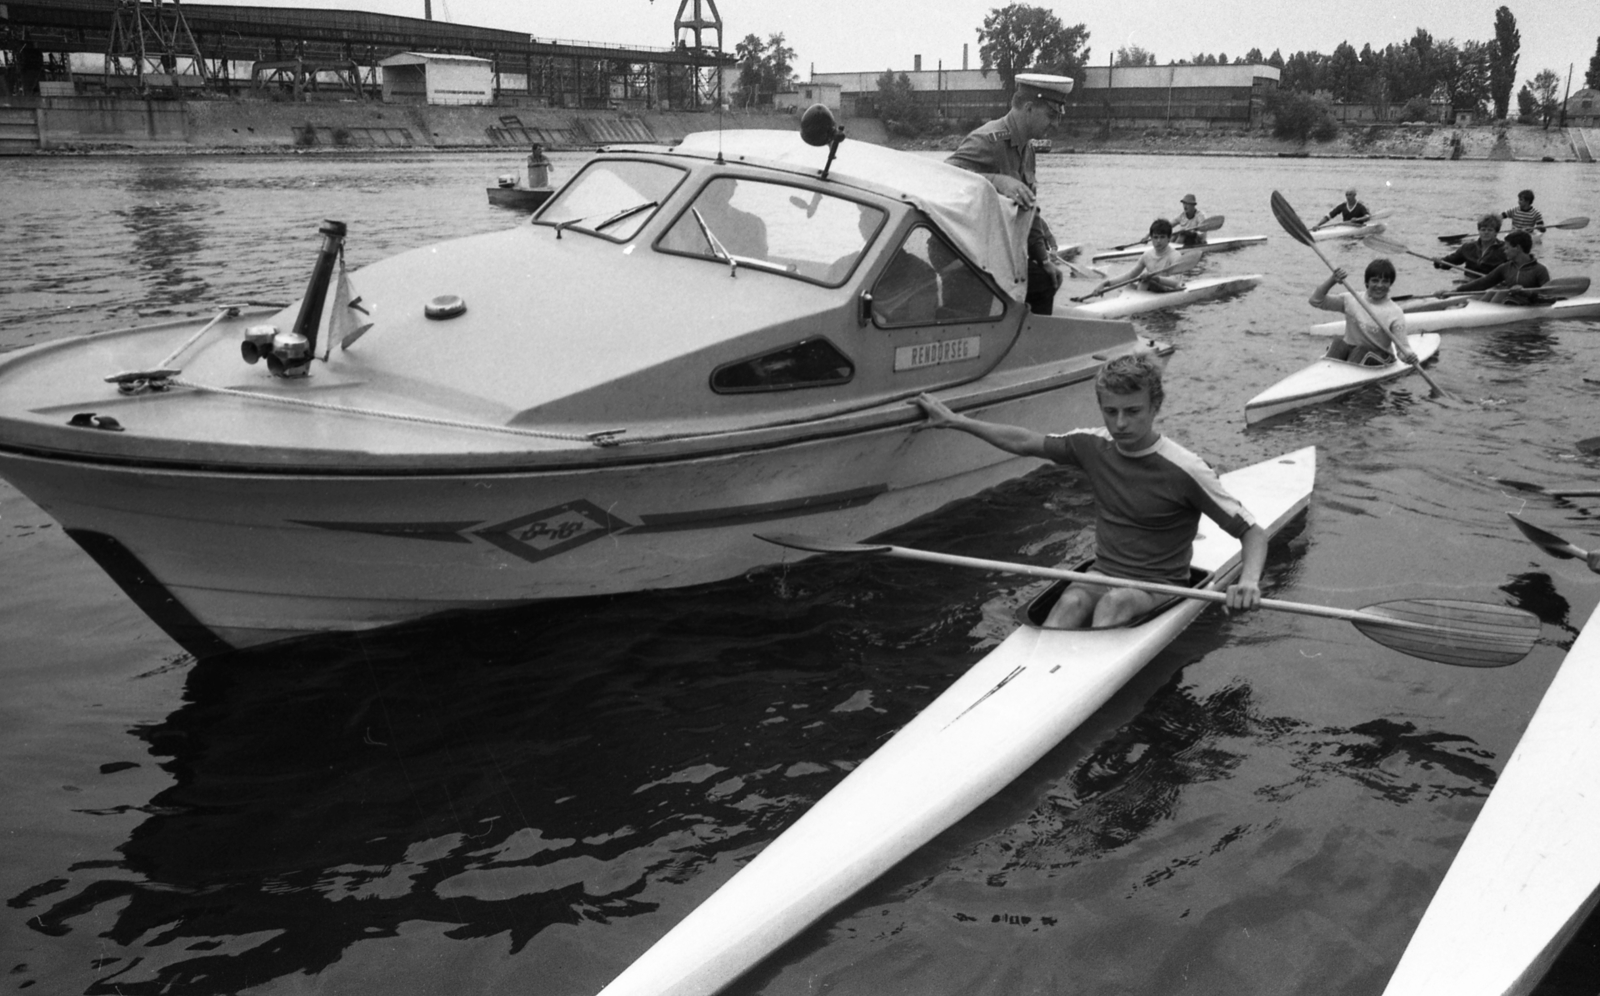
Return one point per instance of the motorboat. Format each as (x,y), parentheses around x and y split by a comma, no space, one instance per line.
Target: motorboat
(683,345)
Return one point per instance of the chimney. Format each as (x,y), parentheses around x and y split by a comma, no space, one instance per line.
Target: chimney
(963,56)
(916,63)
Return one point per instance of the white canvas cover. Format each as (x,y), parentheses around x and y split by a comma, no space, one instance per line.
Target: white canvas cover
(990,230)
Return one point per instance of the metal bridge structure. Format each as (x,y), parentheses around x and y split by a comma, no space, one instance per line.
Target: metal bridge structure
(161,48)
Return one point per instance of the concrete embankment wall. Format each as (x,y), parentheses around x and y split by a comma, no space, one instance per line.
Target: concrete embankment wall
(105,124)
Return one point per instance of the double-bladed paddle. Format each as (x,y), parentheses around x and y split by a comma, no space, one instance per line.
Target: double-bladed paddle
(1560,287)
(1186,259)
(1211,224)
(1296,227)
(1382,243)
(1549,542)
(1077,270)
(1460,633)
(1578,222)
(1365,220)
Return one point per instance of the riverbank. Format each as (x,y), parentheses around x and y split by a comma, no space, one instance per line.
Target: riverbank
(1369,141)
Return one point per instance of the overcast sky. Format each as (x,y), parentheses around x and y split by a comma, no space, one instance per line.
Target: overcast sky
(862,35)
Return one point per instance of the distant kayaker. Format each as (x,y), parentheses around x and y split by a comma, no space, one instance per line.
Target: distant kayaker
(1149,495)
(1350,210)
(1002,150)
(1519,275)
(1155,266)
(1365,341)
(1524,217)
(1186,225)
(1480,256)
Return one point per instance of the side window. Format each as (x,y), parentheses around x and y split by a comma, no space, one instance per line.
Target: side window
(928,283)
(809,363)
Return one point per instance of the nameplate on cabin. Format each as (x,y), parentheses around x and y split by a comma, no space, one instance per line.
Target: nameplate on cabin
(930,354)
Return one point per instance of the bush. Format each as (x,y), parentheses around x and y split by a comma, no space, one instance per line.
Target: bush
(1416,109)
(1299,116)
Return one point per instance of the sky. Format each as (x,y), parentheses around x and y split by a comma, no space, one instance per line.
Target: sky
(860,35)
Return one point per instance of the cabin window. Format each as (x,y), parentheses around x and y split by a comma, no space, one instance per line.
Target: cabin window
(776,228)
(928,283)
(810,363)
(612,198)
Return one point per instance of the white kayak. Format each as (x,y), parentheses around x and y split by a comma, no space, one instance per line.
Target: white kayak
(1443,314)
(1132,300)
(1327,379)
(1528,873)
(1212,245)
(1005,713)
(1345,230)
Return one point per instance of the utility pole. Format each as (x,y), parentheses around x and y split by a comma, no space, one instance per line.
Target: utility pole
(1567,97)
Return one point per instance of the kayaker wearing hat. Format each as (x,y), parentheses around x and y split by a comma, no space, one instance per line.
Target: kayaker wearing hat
(1350,210)
(1185,226)
(1002,150)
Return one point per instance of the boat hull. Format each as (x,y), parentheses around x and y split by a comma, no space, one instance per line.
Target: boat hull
(1213,245)
(252,558)
(519,198)
(1005,713)
(1528,873)
(1132,301)
(1328,379)
(1333,232)
(1484,314)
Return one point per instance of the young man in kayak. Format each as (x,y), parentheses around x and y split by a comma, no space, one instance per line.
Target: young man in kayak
(1365,341)
(1519,275)
(1149,494)
(1002,151)
(1480,256)
(1524,217)
(1350,210)
(1156,267)
(1186,225)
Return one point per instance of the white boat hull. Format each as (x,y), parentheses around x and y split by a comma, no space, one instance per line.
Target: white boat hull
(1132,300)
(1222,244)
(1528,873)
(1333,232)
(1482,314)
(1328,379)
(1005,713)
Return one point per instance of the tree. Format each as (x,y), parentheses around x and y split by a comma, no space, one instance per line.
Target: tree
(1133,55)
(765,67)
(1275,59)
(1592,77)
(1503,54)
(1254,57)
(1345,77)
(1545,87)
(1527,104)
(1462,73)
(1300,116)
(898,107)
(1019,37)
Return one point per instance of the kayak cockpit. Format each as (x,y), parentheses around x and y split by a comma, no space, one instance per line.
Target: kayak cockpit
(1037,609)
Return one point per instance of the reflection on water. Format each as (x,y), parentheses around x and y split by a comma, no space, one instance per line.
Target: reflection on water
(524,801)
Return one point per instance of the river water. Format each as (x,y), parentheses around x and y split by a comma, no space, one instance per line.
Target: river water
(521,805)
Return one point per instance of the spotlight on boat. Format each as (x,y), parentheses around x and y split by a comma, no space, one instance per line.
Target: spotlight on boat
(818,127)
(290,356)
(257,342)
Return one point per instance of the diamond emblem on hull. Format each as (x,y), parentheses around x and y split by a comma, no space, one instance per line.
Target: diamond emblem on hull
(540,535)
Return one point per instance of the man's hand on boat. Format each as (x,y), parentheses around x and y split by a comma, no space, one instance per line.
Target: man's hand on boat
(1010,186)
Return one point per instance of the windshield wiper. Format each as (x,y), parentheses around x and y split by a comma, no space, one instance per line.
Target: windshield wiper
(627,213)
(717,249)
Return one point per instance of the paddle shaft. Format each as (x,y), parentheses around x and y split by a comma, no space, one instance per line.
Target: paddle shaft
(1201,594)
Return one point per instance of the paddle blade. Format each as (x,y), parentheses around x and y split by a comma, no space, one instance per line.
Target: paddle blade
(1382,243)
(1547,541)
(819,544)
(1579,222)
(1291,222)
(1464,634)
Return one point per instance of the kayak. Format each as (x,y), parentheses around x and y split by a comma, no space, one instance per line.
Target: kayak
(1528,873)
(1327,379)
(1473,314)
(1213,245)
(1348,231)
(1133,300)
(1006,712)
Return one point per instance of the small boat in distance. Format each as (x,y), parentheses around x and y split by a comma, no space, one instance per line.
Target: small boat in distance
(1005,713)
(528,187)
(682,345)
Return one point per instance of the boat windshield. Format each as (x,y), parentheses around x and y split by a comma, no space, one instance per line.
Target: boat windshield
(775,227)
(612,198)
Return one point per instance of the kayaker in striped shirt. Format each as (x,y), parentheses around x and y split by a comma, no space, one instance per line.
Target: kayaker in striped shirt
(1149,494)
(1524,217)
